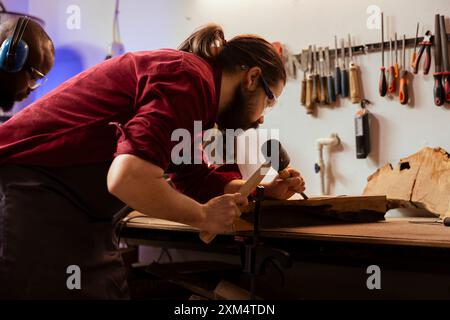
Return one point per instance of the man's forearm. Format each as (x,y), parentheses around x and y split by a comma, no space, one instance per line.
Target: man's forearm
(166,203)
(141,186)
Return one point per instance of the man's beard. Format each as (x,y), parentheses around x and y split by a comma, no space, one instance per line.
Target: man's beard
(237,113)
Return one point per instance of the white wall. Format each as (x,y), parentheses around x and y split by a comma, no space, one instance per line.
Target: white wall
(16,6)
(399,131)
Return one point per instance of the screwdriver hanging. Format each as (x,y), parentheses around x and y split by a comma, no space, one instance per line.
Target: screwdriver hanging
(344,72)
(403,91)
(337,72)
(355,84)
(318,83)
(391,74)
(323,78)
(414,55)
(382,85)
(316,77)
(396,71)
(330,85)
(309,84)
(304,68)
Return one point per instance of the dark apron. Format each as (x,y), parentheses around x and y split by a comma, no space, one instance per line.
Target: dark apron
(53,218)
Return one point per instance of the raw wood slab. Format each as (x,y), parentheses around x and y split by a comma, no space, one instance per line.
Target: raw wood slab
(316,211)
(421,180)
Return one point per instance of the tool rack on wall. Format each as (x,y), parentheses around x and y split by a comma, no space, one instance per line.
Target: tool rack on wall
(376,47)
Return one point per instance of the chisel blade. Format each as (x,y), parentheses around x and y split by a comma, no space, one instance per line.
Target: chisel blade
(327,60)
(304,60)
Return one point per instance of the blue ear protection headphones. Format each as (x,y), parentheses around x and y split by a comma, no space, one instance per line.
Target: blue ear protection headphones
(14,51)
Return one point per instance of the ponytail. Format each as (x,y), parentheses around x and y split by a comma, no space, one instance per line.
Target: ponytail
(206,42)
(245,50)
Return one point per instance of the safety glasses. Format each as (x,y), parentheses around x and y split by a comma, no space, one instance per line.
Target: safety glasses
(272,99)
(38,78)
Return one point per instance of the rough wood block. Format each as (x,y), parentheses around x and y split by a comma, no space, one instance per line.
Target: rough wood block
(421,180)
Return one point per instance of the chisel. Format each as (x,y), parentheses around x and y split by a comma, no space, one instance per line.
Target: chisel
(344,72)
(404,92)
(355,85)
(391,74)
(309,84)
(304,67)
(323,78)
(382,85)
(446,74)
(337,71)
(396,71)
(319,87)
(331,88)
(315,77)
(438,92)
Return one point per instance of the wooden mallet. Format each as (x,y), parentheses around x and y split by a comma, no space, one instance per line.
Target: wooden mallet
(270,149)
(273,148)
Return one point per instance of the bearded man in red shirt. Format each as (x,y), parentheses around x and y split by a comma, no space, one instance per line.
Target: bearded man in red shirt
(71,160)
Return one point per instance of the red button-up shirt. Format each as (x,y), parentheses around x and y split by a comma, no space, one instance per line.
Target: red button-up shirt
(147,95)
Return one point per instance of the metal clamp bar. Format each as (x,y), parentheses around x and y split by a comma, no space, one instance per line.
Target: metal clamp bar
(375,47)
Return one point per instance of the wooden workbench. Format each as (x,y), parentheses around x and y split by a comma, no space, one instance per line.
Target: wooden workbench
(395,231)
(415,258)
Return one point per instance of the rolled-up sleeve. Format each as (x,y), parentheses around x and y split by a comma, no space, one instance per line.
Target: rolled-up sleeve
(169,101)
(166,101)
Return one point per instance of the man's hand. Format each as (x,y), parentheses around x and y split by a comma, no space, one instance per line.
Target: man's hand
(220,213)
(280,189)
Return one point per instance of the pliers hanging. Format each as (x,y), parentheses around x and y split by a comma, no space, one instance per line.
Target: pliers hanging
(425,47)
